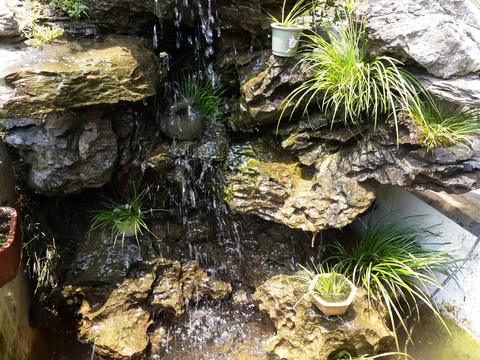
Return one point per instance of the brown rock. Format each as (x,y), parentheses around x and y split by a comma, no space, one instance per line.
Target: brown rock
(303,332)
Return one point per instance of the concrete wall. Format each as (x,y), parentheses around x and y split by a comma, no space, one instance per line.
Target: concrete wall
(463,305)
(15,334)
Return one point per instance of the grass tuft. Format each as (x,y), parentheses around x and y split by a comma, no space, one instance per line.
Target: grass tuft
(207,96)
(442,126)
(123,216)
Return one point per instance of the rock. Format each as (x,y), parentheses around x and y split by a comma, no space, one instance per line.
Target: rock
(443,36)
(183,121)
(303,332)
(108,71)
(464,90)
(120,325)
(180,285)
(124,15)
(262,94)
(8,23)
(66,152)
(119,290)
(263,183)
(454,169)
(211,147)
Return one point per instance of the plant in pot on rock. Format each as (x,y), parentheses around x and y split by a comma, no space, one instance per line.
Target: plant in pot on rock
(286,30)
(126,217)
(329,290)
(390,263)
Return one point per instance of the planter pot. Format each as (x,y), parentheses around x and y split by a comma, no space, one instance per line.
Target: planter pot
(332,308)
(285,39)
(11,250)
(129,231)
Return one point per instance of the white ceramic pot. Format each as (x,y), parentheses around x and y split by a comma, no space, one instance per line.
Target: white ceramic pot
(285,39)
(129,231)
(332,308)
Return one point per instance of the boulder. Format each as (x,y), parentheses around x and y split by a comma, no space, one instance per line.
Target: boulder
(266,183)
(303,332)
(443,36)
(245,16)
(118,291)
(119,327)
(107,71)
(66,152)
(9,27)
(124,15)
(264,92)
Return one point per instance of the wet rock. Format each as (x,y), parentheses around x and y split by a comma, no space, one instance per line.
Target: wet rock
(303,332)
(183,121)
(8,196)
(124,15)
(262,94)
(179,285)
(442,36)
(238,62)
(119,327)
(107,71)
(117,319)
(263,183)
(66,152)
(212,146)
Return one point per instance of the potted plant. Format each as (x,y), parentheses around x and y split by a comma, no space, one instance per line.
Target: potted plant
(329,290)
(332,293)
(10,244)
(126,217)
(286,31)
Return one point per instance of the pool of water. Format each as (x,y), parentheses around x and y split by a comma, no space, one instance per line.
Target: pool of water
(431,341)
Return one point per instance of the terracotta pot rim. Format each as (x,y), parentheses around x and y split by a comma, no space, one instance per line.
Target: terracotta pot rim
(12,224)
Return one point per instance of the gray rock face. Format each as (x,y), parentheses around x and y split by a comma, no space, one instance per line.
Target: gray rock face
(464,90)
(65,153)
(443,36)
(303,332)
(454,169)
(114,69)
